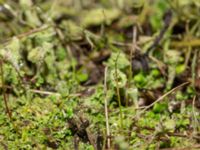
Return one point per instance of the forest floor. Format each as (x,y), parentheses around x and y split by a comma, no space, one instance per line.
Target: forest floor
(99,74)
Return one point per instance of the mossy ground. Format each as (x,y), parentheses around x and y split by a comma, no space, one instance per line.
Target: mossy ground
(86,74)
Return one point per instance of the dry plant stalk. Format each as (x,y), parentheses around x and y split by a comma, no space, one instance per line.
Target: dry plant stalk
(106,109)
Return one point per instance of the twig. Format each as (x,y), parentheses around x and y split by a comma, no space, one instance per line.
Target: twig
(106,109)
(185,148)
(163,96)
(121,44)
(25,34)
(159,63)
(167,21)
(44,92)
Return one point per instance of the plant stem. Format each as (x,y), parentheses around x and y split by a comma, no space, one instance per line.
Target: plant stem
(106,109)
(118,93)
(4,91)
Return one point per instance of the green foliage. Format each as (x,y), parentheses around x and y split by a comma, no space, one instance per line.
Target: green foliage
(180,68)
(35,122)
(99,16)
(81,76)
(150,81)
(118,78)
(140,79)
(118,59)
(120,141)
(73,31)
(53,58)
(156,18)
(160,107)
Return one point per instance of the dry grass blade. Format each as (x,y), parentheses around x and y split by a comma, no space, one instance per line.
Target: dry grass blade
(184,43)
(162,97)
(106,109)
